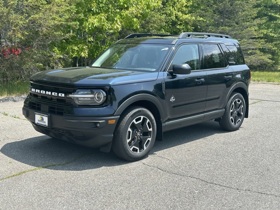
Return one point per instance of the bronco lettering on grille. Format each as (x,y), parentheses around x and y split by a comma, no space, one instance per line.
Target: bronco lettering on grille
(47,93)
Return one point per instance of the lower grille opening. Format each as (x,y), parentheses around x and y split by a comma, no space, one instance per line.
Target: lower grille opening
(35,106)
(56,110)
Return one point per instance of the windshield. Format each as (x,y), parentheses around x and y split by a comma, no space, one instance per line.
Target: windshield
(146,57)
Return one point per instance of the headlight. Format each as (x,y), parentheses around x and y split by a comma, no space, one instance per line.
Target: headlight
(88,97)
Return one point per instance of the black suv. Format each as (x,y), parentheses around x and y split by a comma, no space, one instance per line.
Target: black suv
(140,87)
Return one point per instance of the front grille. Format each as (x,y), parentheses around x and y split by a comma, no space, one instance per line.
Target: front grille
(53,104)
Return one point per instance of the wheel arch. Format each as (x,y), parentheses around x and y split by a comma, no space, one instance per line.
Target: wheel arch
(149,102)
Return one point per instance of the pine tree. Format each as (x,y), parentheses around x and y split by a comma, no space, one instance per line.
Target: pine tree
(239,19)
(269,10)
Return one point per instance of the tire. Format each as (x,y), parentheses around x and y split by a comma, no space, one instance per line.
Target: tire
(234,113)
(135,134)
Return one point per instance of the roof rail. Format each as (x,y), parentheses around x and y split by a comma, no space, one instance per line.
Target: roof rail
(145,35)
(202,34)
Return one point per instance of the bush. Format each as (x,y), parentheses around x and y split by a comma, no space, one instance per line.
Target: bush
(21,67)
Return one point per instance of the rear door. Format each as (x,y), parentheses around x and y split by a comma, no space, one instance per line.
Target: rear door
(219,76)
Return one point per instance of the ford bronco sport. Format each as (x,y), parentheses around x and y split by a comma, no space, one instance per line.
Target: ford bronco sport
(140,87)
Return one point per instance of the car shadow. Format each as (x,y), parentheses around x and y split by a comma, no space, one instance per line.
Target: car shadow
(187,134)
(45,152)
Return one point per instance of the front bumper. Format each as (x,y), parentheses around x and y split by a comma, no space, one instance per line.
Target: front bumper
(87,131)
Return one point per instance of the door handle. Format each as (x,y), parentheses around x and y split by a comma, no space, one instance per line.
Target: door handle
(199,81)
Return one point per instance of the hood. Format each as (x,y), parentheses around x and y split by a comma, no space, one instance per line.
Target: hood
(93,76)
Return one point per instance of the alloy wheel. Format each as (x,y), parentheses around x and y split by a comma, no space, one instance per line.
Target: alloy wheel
(139,134)
(236,111)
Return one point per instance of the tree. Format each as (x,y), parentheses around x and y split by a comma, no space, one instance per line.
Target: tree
(239,19)
(102,22)
(171,17)
(34,27)
(53,33)
(269,11)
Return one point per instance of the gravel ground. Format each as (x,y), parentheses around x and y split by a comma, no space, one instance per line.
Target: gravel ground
(12,98)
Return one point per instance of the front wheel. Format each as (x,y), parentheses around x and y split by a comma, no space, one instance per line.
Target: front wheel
(135,134)
(234,113)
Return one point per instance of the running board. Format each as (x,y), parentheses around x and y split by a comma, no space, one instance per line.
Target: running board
(183,122)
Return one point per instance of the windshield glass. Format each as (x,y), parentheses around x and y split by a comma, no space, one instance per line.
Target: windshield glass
(146,57)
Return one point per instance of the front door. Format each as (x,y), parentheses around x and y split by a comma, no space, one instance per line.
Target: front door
(186,94)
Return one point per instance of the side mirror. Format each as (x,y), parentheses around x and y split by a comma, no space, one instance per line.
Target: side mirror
(181,69)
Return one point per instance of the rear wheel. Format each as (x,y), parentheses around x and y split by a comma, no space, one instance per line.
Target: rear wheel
(135,134)
(234,113)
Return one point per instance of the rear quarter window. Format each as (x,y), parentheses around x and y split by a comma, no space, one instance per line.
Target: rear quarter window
(234,54)
(212,56)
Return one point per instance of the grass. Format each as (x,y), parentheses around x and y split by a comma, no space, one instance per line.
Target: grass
(21,88)
(13,116)
(266,76)
(14,89)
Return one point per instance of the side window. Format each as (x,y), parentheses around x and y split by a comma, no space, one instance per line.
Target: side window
(187,54)
(213,57)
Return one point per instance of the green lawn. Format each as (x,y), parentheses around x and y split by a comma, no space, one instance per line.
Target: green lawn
(266,76)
